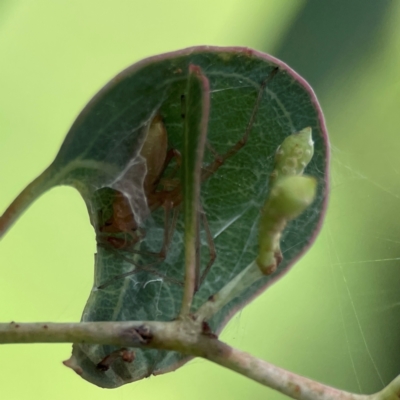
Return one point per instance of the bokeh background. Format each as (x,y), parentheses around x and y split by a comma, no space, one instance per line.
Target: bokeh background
(335,317)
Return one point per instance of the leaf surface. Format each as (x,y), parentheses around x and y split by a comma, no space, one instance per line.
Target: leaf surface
(101,157)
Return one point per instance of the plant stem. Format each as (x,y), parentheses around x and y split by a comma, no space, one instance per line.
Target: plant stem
(231,290)
(286,382)
(186,337)
(37,187)
(196,123)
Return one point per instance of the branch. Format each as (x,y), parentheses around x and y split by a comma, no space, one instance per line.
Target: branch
(189,337)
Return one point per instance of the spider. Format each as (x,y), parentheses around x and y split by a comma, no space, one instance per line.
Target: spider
(165,192)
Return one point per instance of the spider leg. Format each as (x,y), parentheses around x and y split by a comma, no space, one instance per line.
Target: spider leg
(169,229)
(138,268)
(211,168)
(211,248)
(220,159)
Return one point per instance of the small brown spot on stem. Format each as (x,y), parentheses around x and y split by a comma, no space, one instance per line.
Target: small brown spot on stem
(206,330)
(269,270)
(211,298)
(139,335)
(45,326)
(278,257)
(295,389)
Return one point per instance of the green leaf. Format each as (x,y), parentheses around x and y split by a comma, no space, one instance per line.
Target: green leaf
(104,157)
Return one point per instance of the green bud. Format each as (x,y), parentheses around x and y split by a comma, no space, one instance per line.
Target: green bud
(289,197)
(290,194)
(293,155)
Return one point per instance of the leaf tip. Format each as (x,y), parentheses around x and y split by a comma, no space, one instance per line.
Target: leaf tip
(71,363)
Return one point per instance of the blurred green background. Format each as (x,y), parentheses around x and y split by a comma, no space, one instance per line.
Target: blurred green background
(335,317)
